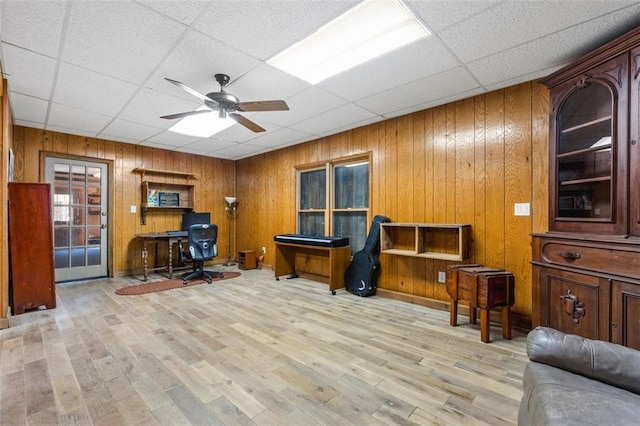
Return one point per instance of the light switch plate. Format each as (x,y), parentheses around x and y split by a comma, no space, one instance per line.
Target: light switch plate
(522,209)
(442,277)
(133,209)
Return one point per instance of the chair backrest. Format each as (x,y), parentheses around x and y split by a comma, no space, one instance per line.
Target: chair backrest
(202,241)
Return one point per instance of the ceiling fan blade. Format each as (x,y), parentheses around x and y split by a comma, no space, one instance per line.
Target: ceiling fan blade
(263,106)
(188,89)
(246,122)
(185,114)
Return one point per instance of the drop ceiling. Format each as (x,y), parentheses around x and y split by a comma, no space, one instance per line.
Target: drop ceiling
(97,68)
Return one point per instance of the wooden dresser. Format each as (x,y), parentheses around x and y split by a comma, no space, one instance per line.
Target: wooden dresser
(586,269)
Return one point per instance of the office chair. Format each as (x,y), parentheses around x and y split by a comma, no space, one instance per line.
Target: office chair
(202,245)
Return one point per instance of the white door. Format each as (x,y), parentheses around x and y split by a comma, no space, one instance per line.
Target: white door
(80,191)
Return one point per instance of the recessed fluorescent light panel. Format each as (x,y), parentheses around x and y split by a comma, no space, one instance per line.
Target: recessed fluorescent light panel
(202,125)
(369,30)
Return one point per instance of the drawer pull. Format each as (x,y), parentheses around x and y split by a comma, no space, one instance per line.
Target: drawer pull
(569,255)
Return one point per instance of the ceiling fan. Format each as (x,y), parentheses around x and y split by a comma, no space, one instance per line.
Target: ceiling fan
(226,104)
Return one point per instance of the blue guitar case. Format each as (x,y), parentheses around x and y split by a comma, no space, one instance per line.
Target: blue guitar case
(361,276)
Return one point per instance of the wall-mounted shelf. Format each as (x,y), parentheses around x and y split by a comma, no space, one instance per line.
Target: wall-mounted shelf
(427,240)
(144,171)
(165,196)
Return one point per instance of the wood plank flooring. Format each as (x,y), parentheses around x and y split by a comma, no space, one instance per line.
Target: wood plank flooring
(252,351)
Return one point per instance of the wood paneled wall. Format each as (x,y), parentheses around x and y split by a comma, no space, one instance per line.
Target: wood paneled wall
(464,162)
(215,180)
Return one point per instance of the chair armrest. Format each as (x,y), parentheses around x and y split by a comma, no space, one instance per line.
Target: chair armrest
(609,363)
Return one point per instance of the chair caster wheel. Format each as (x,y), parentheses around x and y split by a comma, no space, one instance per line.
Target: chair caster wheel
(333,292)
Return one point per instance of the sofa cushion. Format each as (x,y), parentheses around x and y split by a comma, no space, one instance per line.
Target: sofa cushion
(609,363)
(557,397)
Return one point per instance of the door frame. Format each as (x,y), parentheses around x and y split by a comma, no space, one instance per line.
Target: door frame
(110,194)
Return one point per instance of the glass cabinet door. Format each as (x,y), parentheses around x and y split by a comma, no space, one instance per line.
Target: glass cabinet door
(584,154)
(588,179)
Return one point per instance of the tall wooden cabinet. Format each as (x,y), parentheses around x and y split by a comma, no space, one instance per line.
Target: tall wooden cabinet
(32,274)
(586,269)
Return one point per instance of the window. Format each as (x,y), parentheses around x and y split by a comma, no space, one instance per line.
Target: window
(333,199)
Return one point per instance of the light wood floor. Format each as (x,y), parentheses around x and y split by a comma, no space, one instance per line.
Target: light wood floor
(252,350)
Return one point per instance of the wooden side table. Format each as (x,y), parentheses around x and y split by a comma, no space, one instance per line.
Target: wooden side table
(247,259)
(484,289)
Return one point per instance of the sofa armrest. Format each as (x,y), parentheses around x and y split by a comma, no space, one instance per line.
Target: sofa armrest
(607,362)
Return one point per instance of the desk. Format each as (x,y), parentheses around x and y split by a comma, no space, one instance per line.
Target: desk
(155,238)
(338,259)
(482,288)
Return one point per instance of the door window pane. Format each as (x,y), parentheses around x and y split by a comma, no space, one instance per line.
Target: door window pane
(78,257)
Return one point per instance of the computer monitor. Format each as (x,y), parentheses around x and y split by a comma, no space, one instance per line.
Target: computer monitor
(192,218)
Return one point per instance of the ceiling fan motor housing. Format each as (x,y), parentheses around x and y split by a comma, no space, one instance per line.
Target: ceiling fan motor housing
(222,100)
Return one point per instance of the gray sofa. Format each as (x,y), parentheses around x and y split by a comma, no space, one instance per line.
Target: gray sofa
(576,381)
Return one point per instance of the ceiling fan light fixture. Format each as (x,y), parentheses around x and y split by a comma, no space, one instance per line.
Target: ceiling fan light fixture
(370,29)
(202,125)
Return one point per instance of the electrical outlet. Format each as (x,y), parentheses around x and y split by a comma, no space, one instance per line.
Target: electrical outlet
(442,277)
(133,209)
(263,251)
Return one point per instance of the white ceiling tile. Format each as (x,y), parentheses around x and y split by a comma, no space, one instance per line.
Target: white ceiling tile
(546,52)
(156,145)
(304,105)
(33,25)
(266,83)
(195,61)
(279,137)
(442,14)
(207,145)
(147,106)
(396,68)
(26,123)
(173,139)
(73,118)
(28,108)
(129,130)
(78,87)
(262,28)
(27,72)
(332,119)
(125,40)
(71,131)
(241,150)
(180,10)
(436,102)
(509,24)
(419,92)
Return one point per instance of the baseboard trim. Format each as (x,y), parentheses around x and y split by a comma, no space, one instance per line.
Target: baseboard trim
(518,321)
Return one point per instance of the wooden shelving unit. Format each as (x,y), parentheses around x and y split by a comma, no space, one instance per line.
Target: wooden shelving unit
(164,195)
(144,171)
(428,240)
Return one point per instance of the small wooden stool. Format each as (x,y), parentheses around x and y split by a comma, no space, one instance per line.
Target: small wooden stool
(482,288)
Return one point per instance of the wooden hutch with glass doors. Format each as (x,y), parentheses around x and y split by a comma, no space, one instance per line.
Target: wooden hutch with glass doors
(586,268)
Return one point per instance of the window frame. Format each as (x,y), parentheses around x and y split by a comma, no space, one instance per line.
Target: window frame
(330,192)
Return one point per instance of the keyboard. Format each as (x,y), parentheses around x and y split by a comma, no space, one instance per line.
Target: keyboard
(178,233)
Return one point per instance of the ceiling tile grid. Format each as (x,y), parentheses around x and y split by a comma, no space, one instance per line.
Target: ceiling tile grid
(98,68)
